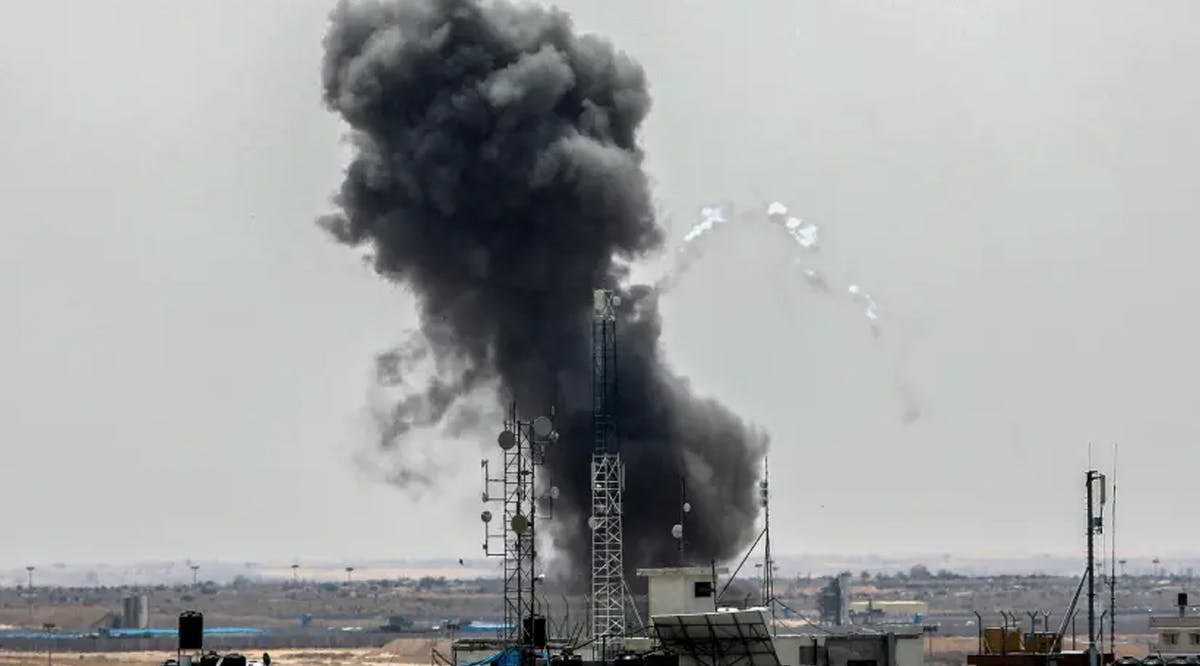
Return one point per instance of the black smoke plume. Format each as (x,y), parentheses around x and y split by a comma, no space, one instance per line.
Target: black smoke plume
(497,175)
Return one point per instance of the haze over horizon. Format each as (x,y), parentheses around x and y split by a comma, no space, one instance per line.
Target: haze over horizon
(186,366)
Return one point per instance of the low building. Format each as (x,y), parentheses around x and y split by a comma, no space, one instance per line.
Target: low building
(1179,634)
(681,589)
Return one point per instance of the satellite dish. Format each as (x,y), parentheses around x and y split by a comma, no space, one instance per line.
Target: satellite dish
(592,522)
(520,524)
(553,492)
(507,440)
(677,531)
(554,436)
(687,507)
(486,516)
(542,427)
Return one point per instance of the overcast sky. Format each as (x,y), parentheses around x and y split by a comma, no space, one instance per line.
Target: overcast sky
(185,357)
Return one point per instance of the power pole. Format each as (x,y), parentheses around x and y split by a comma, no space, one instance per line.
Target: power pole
(29,591)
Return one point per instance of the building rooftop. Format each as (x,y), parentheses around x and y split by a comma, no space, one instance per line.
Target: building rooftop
(681,571)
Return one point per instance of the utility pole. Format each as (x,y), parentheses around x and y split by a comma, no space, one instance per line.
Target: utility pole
(49,628)
(195,573)
(29,591)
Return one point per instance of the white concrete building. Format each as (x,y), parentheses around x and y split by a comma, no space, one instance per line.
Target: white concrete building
(677,590)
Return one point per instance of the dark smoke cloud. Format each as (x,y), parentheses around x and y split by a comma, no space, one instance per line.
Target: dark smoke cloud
(497,175)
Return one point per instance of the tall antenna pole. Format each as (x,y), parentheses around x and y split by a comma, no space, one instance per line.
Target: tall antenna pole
(1112,578)
(1091,564)
(608,476)
(768,577)
(1094,526)
(523,447)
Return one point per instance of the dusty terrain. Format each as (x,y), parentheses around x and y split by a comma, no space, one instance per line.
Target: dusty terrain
(409,651)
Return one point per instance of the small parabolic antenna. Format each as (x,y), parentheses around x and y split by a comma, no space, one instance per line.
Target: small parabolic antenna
(542,427)
(687,507)
(520,524)
(592,522)
(554,492)
(677,531)
(507,440)
(486,516)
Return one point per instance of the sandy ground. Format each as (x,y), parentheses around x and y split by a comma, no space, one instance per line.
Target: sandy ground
(403,651)
(416,652)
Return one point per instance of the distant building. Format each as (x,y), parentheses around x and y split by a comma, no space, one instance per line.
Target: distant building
(834,601)
(881,612)
(135,612)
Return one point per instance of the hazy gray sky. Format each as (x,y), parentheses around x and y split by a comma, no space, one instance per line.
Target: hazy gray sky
(1014,181)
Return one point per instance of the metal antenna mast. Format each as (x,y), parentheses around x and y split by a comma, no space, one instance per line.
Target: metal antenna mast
(608,474)
(768,583)
(1095,525)
(523,448)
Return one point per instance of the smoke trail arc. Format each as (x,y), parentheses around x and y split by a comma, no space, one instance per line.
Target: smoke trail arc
(496,175)
(806,238)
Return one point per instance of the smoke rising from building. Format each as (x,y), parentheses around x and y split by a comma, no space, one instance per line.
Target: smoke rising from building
(496,174)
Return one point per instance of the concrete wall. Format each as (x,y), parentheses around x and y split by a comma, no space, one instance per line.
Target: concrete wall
(910,651)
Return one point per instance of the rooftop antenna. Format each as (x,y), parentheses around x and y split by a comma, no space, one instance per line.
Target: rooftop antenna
(685,508)
(764,498)
(607,476)
(1095,525)
(1112,577)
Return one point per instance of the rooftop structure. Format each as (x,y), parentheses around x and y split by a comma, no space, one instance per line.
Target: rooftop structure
(681,590)
(1179,634)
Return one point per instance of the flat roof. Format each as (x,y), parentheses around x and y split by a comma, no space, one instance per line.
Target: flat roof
(705,572)
(1174,621)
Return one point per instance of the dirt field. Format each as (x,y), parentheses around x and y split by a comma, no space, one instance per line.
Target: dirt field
(406,651)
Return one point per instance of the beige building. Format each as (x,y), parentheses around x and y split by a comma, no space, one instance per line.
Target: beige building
(1177,635)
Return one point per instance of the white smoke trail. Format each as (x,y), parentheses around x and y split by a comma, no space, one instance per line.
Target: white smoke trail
(806,237)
